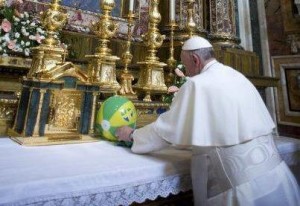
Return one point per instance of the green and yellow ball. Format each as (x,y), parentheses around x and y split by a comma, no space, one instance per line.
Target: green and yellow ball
(115,112)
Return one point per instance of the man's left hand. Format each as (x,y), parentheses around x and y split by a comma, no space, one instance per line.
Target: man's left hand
(124,133)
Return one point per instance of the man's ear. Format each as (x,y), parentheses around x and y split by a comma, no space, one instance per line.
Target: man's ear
(196,59)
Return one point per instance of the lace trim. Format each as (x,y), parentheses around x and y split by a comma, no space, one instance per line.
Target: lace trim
(125,196)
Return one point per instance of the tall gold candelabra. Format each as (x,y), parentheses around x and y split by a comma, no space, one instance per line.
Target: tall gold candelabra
(171,61)
(126,76)
(102,65)
(191,25)
(151,80)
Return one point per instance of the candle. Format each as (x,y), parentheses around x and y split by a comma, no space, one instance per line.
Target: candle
(131,3)
(172,10)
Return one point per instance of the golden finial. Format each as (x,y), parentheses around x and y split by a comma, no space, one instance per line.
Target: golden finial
(191,25)
(53,21)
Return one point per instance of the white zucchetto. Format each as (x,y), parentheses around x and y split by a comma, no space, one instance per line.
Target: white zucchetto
(196,42)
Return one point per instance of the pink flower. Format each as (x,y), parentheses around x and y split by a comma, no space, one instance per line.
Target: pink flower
(38,38)
(79,16)
(179,72)
(6,25)
(11,45)
(173,89)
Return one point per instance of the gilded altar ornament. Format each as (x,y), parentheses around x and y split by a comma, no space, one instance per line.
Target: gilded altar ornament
(126,77)
(190,24)
(47,55)
(56,97)
(171,61)
(102,65)
(151,79)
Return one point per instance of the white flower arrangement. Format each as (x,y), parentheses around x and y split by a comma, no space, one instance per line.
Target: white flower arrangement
(18,32)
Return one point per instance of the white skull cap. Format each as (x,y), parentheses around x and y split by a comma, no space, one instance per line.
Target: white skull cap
(195,42)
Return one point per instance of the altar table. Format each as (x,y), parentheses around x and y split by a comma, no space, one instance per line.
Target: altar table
(99,173)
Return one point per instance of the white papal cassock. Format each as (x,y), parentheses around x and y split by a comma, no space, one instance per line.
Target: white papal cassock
(221,114)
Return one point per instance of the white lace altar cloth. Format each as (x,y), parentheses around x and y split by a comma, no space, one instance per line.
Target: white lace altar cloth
(100,173)
(89,174)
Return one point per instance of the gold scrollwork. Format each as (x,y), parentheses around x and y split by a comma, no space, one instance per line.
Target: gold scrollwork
(7,109)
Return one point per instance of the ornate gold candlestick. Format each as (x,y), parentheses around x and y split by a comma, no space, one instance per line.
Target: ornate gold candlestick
(126,76)
(171,61)
(102,66)
(151,78)
(49,53)
(191,25)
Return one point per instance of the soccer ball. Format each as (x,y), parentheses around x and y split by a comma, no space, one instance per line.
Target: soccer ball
(115,112)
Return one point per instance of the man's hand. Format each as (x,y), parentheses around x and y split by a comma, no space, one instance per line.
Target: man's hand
(124,133)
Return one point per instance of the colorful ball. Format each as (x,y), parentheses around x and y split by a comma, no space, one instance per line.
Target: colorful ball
(115,112)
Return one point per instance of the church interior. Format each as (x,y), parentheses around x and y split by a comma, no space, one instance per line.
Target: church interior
(52,86)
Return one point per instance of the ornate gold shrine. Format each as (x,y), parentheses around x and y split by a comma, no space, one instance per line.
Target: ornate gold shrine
(57,101)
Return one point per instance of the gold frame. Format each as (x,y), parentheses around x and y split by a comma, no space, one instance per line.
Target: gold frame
(281,64)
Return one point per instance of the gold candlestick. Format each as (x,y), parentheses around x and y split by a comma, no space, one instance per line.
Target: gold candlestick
(53,21)
(171,61)
(102,65)
(126,76)
(49,53)
(191,25)
(151,80)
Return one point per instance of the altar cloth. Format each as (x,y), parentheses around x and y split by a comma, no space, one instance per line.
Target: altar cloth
(100,173)
(89,174)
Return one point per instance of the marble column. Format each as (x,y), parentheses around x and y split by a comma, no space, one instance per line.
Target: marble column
(245,24)
(265,52)
(222,23)
(92,117)
(24,132)
(36,129)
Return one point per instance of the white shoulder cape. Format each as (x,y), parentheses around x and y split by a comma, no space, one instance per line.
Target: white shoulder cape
(218,107)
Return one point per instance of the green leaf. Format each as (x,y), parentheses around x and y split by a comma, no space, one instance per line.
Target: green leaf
(8,13)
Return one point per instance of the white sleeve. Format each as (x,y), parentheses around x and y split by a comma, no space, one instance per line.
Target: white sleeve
(146,140)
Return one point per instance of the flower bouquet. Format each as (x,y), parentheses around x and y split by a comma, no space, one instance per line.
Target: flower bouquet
(179,80)
(18,31)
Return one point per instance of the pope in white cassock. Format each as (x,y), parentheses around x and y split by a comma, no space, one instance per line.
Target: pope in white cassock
(220,113)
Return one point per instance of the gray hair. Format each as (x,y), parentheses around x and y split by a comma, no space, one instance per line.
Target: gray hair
(204,53)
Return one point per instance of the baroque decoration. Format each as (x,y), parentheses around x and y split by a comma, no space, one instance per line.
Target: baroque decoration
(65,95)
